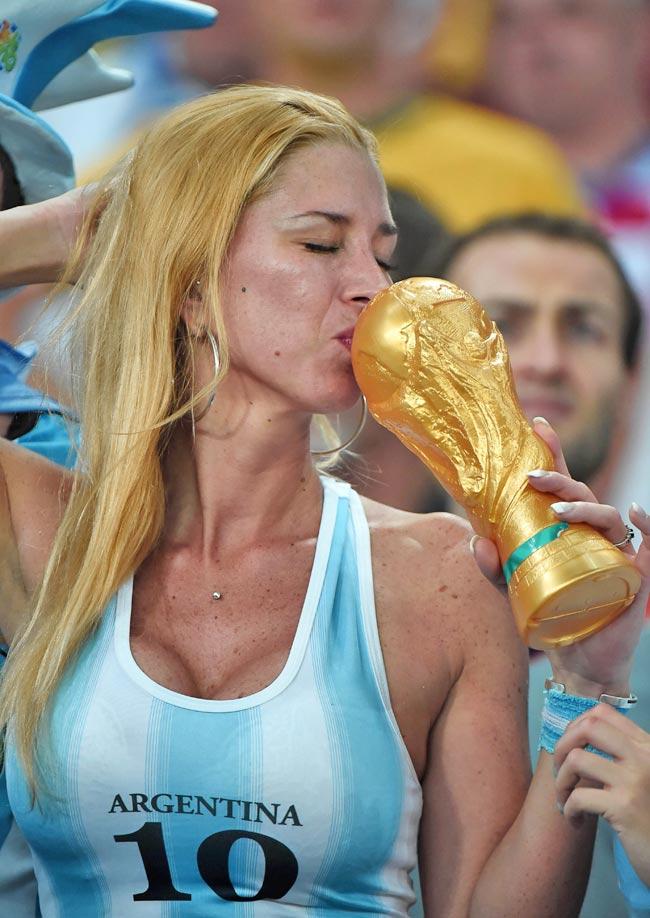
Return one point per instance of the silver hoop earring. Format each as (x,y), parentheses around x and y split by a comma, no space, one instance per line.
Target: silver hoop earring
(217,364)
(348,442)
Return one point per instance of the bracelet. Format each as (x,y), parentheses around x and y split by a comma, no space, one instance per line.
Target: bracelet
(561,708)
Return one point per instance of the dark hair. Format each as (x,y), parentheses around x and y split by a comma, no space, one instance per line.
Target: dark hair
(12,193)
(563,229)
(22,423)
(420,233)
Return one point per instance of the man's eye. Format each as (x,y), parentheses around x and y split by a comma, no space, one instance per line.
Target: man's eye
(584,330)
(320,247)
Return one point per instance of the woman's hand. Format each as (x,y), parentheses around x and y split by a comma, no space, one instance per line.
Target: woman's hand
(601,662)
(617,789)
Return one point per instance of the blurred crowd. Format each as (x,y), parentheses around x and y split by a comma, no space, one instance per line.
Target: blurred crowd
(515,140)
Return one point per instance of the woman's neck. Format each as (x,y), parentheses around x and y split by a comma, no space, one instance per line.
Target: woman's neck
(228,490)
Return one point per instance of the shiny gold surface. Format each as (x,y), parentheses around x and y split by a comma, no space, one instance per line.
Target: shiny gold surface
(435,372)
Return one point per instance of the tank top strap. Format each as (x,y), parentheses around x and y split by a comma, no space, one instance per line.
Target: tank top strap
(348,593)
(346,631)
(367,609)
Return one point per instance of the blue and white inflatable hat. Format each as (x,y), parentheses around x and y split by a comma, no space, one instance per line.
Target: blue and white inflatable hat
(46,60)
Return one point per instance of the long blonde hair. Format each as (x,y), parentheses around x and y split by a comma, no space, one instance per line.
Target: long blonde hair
(161,223)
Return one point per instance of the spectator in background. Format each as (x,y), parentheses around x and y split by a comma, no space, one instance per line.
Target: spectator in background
(455,54)
(617,790)
(465,163)
(571,322)
(579,70)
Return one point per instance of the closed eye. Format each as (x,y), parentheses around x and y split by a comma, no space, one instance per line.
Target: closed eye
(323,249)
(319,247)
(386,266)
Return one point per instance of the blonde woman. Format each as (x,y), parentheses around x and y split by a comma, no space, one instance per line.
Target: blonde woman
(237,688)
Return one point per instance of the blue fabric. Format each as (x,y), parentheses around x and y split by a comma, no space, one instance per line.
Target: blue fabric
(560,709)
(16,396)
(54,437)
(110,20)
(319,742)
(637,894)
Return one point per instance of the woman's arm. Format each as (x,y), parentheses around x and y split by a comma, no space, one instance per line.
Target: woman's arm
(13,593)
(36,239)
(33,493)
(491,844)
(513,853)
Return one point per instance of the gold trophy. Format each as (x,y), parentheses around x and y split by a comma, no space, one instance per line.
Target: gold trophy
(435,371)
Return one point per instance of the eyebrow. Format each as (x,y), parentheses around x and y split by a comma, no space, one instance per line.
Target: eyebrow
(588,306)
(386,229)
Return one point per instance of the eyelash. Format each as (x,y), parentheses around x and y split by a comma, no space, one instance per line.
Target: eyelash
(332,249)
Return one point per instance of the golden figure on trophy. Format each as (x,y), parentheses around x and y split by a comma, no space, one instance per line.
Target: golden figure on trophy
(435,371)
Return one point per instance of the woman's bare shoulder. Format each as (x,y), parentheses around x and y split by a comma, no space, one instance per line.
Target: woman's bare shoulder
(35,492)
(424,568)
(405,535)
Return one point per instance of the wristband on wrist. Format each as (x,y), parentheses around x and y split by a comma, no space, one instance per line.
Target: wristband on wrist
(561,708)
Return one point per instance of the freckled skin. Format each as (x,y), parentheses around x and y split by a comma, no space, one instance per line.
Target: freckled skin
(237,531)
(282,332)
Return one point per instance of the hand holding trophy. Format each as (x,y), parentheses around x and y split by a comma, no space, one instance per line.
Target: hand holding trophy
(435,371)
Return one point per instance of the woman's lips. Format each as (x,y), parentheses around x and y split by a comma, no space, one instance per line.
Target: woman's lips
(346,337)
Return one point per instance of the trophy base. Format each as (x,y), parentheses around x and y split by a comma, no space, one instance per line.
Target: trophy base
(571,588)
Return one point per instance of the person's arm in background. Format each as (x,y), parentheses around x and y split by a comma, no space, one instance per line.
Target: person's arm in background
(616,788)
(35,239)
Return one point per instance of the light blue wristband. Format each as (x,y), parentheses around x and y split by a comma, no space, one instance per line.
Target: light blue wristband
(560,709)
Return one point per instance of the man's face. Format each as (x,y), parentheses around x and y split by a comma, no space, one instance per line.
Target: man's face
(325,28)
(559,307)
(552,61)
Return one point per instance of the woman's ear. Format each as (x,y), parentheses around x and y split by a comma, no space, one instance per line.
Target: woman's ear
(193,310)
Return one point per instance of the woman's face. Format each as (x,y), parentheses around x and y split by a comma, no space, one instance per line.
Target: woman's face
(305,259)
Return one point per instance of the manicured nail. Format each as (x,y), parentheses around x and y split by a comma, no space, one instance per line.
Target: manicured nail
(538,473)
(561,507)
(638,509)
(540,420)
(472,544)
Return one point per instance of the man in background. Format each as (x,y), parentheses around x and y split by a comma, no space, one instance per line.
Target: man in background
(571,322)
(580,70)
(463,162)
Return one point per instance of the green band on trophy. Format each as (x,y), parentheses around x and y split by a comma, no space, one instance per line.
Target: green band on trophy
(525,550)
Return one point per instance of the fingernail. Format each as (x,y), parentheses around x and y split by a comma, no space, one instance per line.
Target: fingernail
(561,507)
(472,544)
(639,510)
(540,420)
(538,473)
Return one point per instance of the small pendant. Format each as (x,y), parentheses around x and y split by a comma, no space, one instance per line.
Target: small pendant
(216,595)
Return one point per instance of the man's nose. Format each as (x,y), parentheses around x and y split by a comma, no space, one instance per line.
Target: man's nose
(542,352)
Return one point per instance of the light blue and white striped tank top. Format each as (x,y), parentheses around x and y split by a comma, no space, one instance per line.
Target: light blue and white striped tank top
(300,799)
